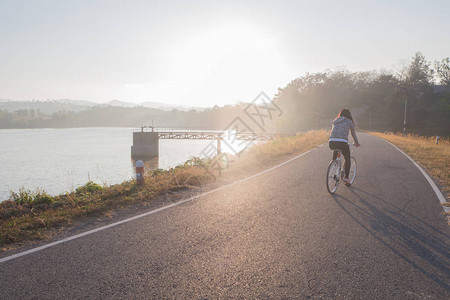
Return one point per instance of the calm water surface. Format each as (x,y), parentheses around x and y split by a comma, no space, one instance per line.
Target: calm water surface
(60,160)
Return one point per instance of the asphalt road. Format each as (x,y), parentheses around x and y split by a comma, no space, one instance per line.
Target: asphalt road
(278,235)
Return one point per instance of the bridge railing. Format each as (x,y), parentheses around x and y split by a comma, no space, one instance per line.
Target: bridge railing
(174,129)
(206,134)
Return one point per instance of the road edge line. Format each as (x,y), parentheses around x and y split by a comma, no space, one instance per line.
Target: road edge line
(77,236)
(433,185)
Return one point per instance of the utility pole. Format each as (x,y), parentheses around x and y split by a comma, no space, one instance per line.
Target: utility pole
(404,118)
(406,104)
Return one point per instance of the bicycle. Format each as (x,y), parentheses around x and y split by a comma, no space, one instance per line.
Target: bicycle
(336,173)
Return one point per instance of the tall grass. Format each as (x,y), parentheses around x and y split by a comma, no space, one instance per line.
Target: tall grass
(283,147)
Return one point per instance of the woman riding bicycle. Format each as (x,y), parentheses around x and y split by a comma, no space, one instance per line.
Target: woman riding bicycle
(339,138)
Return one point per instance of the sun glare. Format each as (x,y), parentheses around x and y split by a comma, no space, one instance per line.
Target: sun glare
(229,55)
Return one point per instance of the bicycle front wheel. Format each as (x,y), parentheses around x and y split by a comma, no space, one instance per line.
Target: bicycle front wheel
(353,170)
(332,177)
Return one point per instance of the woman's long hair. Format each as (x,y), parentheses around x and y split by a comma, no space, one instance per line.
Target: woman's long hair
(346,113)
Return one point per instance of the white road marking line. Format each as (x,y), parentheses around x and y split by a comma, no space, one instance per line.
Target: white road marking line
(427,177)
(77,236)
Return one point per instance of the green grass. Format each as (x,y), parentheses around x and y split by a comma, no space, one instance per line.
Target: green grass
(31,214)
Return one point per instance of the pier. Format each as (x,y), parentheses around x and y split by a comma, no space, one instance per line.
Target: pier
(146,139)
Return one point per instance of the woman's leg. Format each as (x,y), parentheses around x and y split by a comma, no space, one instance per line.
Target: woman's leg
(346,152)
(345,149)
(334,146)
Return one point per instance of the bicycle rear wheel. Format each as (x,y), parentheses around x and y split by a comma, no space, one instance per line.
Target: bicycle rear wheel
(332,177)
(353,170)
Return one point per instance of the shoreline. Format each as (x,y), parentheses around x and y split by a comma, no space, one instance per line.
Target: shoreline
(77,156)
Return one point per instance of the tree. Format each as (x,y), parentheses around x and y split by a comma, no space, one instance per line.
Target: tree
(419,74)
(443,71)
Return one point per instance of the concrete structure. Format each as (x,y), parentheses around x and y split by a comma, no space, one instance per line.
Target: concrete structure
(145,145)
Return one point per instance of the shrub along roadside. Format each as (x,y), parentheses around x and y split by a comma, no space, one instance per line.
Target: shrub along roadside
(31,215)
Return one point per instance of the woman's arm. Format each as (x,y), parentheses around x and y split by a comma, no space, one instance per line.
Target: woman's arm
(355,139)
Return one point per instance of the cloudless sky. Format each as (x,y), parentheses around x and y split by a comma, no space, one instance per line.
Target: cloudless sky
(202,53)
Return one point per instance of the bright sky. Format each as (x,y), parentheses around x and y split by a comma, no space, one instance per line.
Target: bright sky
(202,53)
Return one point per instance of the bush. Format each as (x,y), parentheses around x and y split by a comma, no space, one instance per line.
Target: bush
(27,197)
(197,162)
(22,197)
(157,172)
(42,198)
(89,188)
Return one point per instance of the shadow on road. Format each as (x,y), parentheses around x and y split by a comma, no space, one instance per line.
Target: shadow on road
(421,245)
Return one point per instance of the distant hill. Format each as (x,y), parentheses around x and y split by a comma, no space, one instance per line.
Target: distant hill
(159,105)
(119,103)
(77,102)
(167,107)
(45,107)
(51,106)
(152,104)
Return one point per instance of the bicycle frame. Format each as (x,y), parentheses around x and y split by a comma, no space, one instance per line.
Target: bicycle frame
(337,174)
(339,161)
(340,168)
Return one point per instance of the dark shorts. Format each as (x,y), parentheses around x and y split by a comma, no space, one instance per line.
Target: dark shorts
(343,146)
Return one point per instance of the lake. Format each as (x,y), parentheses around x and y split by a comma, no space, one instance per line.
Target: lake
(60,160)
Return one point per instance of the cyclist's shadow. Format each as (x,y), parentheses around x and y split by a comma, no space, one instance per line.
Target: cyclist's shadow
(416,242)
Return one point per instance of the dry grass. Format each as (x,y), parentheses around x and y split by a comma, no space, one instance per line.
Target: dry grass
(34,215)
(281,148)
(24,220)
(434,158)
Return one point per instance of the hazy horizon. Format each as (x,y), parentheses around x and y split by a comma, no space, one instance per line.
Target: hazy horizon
(101,102)
(203,53)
